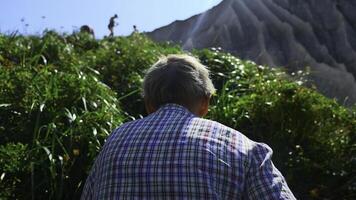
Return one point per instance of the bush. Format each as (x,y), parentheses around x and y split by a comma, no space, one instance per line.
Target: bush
(55,120)
(312,137)
(56,111)
(122,63)
(13,165)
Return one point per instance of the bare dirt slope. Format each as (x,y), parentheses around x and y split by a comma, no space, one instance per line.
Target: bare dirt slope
(289,33)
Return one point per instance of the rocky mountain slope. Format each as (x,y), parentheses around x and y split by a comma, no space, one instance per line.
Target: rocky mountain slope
(320,34)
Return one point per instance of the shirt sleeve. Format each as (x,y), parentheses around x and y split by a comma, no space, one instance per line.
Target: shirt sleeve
(87,193)
(263,180)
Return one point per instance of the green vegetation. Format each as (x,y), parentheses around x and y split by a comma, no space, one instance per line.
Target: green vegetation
(313,137)
(61,95)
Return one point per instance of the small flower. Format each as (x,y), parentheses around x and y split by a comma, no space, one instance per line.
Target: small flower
(76,152)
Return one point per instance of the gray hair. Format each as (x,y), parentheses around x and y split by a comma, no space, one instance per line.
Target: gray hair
(179,79)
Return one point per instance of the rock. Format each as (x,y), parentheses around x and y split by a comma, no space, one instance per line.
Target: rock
(293,34)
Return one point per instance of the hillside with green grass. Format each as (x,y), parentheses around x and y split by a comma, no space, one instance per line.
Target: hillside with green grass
(62,95)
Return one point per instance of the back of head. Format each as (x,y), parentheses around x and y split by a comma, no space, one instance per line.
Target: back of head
(179,79)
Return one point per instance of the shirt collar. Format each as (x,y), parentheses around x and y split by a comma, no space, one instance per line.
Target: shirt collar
(171,107)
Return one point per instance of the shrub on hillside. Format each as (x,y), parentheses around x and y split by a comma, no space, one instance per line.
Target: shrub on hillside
(122,62)
(53,123)
(312,137)
(55,113)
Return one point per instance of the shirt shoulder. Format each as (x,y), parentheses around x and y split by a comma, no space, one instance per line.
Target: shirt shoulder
(127,127)
(219,135)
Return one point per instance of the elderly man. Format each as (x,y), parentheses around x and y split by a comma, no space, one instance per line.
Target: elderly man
(175,154)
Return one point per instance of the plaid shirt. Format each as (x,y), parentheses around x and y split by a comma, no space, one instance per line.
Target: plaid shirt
(173,154)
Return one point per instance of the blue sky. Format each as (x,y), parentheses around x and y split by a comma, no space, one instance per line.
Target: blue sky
(66,15)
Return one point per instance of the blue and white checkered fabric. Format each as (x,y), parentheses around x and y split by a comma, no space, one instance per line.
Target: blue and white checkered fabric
(173,154)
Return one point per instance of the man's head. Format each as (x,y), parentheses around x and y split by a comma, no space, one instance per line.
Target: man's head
(179,79)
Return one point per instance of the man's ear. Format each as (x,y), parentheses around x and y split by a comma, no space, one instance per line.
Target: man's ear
(149,108)
(204,106)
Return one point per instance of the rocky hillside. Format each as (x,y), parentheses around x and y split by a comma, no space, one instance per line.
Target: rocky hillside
(289,33)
